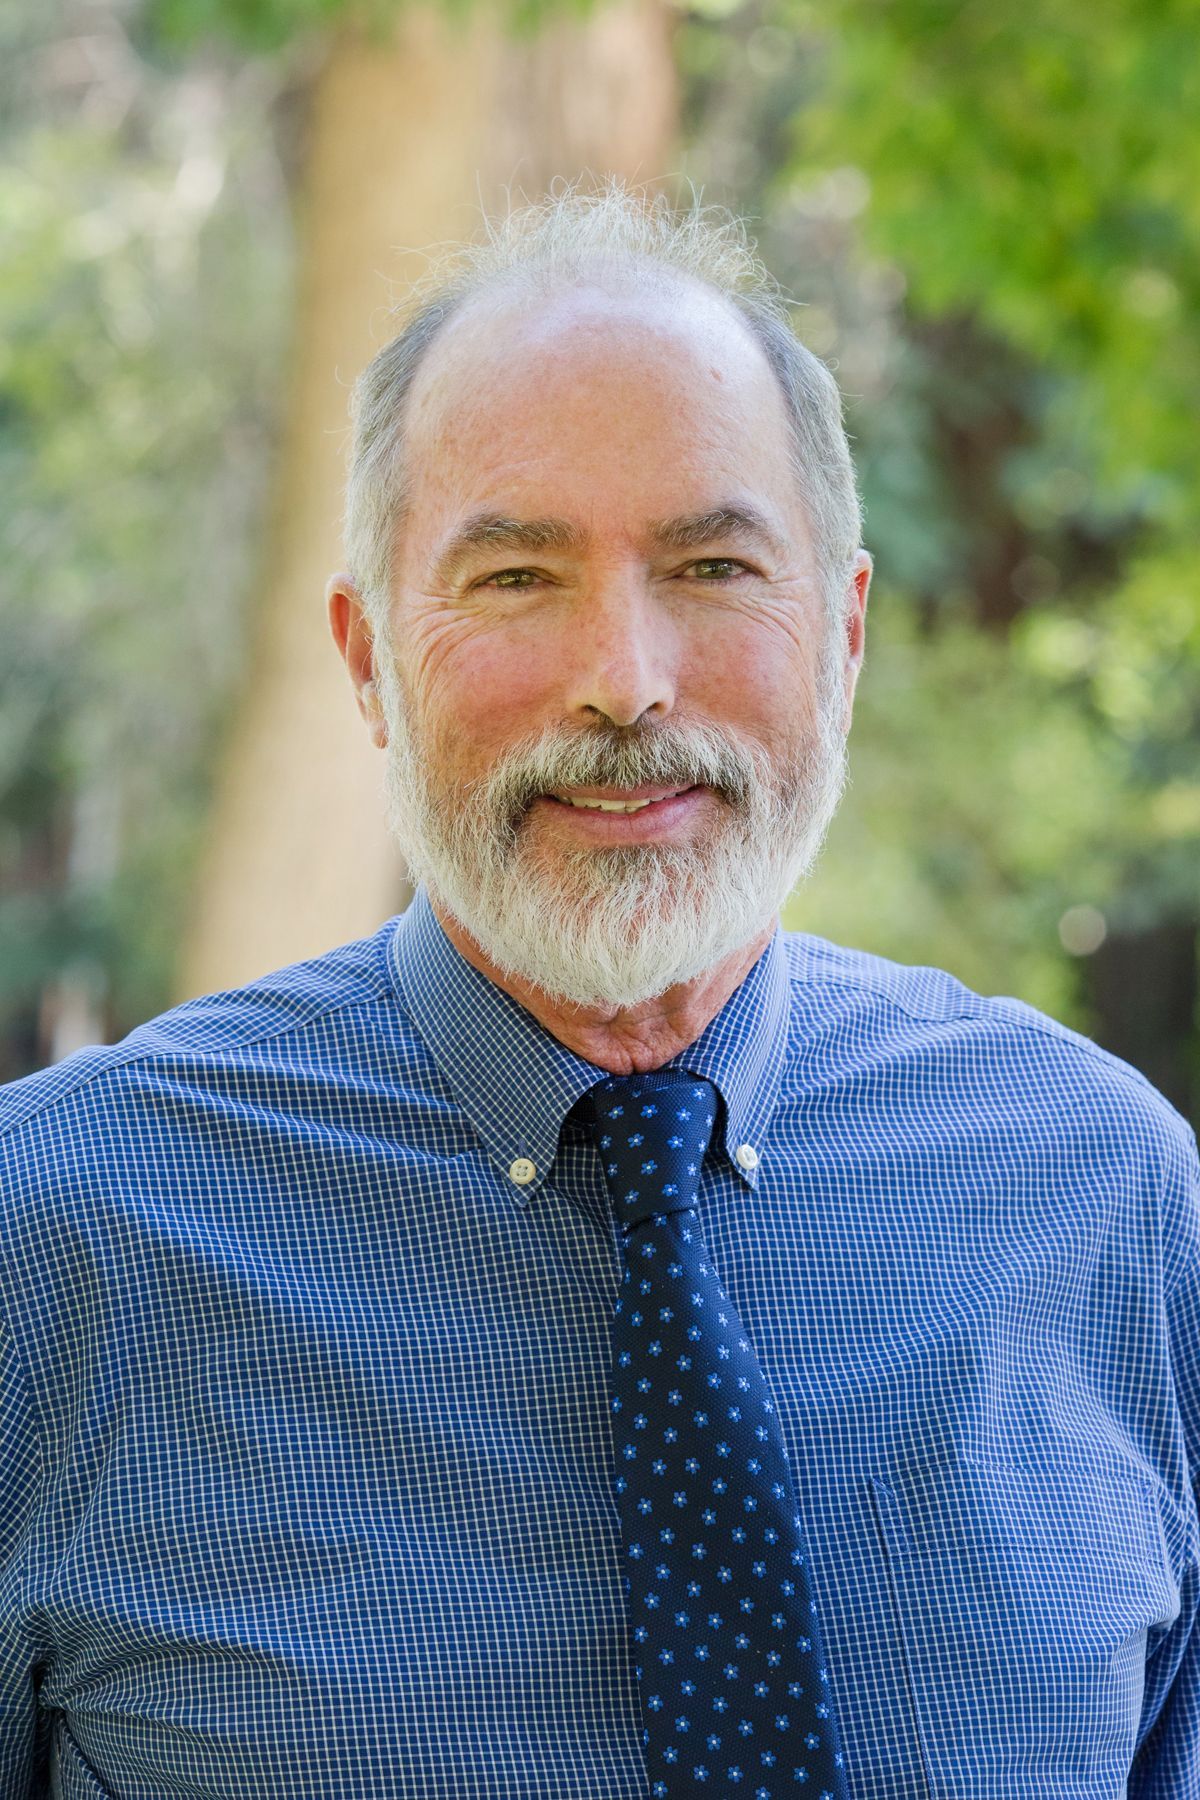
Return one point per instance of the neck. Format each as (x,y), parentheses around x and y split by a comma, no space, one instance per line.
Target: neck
(624,1040)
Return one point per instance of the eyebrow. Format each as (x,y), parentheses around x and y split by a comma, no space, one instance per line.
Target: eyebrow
(497,531)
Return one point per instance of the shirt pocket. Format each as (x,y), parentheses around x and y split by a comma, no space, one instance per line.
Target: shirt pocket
(71,1775)
(1024,1598)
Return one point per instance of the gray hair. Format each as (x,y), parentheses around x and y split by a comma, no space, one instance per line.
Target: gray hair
(564,239)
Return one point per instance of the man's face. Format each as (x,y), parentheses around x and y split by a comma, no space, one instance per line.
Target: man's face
(617,660)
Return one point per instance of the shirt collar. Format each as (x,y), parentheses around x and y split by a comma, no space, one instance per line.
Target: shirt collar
(516,1082)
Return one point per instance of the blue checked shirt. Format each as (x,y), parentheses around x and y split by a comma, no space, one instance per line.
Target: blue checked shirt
(306,1479)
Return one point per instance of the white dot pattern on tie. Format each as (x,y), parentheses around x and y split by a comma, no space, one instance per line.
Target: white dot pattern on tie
(731,1677)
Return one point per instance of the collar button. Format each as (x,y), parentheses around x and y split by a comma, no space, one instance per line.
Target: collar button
(747,1155)
(522,1170)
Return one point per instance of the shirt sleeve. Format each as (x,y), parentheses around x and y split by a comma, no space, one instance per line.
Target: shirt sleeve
(1167,1764)
(22,1759)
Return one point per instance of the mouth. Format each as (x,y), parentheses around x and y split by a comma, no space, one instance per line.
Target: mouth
(622,814)
(626,800)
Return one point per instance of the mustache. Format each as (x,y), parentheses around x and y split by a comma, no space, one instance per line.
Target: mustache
(618,757)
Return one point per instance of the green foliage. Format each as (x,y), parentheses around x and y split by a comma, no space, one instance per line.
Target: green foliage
(1042,170)
(141,296)
(980,810)
(268,25)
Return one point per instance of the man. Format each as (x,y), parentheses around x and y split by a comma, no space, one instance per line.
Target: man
(584,1340)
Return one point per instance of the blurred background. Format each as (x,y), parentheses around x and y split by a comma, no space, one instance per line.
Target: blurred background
(991,220)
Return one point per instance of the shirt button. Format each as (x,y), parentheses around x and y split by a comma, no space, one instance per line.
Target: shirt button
(522,1170)
(747,1155)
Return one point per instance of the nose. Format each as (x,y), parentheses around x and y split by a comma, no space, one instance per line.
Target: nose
(622,654)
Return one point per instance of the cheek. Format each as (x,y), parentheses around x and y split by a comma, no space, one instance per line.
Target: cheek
(754,676)
(482,689)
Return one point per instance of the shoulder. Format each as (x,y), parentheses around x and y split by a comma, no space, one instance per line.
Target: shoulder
(287,1019)
(922,1024)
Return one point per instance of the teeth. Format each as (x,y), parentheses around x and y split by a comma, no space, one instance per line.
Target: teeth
(625,806)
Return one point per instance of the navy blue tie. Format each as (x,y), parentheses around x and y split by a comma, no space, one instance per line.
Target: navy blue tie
(731,1675)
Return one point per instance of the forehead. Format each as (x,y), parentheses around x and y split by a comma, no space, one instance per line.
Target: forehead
(597,396)
(516,320)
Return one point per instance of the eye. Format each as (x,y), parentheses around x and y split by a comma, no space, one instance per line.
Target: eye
(728,562)
(500,578)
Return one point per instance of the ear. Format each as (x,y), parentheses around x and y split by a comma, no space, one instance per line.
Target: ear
(356,645)
(856,625)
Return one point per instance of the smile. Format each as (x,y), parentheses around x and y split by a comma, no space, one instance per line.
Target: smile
(627,806)
(632,817)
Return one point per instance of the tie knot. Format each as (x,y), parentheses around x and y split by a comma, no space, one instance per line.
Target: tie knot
(652,1131)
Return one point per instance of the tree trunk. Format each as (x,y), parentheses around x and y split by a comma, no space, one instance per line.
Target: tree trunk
(1144,987)
(405,142)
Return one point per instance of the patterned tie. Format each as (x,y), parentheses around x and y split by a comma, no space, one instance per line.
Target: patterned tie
(733,1688)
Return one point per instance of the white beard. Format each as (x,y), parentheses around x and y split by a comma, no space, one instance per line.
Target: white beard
(616,925)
